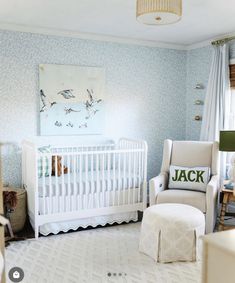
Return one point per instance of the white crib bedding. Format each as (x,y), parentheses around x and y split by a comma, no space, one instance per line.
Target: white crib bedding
(70,184)
(58,204)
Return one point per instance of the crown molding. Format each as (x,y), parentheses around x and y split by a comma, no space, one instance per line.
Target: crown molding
(199,45)
(108,38)
(89,36)
(208,41)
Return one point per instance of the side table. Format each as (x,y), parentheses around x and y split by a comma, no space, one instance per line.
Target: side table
(228,196)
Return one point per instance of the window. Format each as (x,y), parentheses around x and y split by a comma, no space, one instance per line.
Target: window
(231,113)
(232,76)
(232,102)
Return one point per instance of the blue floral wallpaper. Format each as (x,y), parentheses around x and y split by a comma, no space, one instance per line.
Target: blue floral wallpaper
(198,69)
(145,91)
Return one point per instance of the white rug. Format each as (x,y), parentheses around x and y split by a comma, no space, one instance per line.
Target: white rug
(89,256)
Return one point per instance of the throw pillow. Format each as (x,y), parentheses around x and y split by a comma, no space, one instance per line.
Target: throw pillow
(187,178)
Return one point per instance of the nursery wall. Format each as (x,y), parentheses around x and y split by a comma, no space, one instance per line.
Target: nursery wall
(198,69)
(145,91)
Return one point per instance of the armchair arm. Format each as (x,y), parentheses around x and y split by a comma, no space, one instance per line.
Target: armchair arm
(211,203)
(213,185)
(156,185)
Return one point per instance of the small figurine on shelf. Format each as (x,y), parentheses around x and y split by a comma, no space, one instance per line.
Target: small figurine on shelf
(198,102)
(199,86)
(198,118)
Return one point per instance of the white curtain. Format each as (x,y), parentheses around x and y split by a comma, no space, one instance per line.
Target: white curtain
(216,115)
(231,127)
(217,101)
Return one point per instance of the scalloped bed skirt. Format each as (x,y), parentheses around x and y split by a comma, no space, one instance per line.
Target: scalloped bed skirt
(65,226)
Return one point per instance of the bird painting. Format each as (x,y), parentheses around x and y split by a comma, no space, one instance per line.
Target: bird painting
(90,104)
(58,124)
(83,126)
(70,110)
(46,104)
(71,99)
(93,113)
(69,124)
(67,93)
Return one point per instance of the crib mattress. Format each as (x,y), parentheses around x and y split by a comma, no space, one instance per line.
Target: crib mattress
(92,182)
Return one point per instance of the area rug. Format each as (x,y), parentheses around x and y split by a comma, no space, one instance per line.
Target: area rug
(100,255)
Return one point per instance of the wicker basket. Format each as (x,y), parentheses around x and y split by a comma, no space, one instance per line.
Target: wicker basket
(18,216)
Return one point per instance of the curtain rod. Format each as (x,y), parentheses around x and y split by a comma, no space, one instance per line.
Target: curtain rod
(222,41)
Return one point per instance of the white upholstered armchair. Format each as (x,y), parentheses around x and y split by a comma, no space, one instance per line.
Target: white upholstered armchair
(189,154)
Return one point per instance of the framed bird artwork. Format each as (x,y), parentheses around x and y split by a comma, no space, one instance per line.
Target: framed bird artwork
(71,99)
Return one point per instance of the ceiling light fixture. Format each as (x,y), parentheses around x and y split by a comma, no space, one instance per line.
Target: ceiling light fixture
(158,12)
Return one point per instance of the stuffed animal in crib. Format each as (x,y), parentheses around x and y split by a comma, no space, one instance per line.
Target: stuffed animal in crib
(59,166)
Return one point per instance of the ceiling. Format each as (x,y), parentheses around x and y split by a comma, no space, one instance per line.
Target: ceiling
(202,19)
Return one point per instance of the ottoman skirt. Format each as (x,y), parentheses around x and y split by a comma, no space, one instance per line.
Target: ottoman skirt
(170,232)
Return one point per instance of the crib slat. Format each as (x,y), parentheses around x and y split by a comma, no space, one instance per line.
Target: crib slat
(80,182)
(129,177)
(44,183)
(124,179)
(56,184)
(97,181)
(134,184)
(139,174)
(114,178)
(50,188)
(143,167)
(69,183)
(86,182)
(75,185)
(108,192)
(63,185)
(103,180)
(92,182)
(119,177)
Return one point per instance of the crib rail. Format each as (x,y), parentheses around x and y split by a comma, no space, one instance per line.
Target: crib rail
(85,181)
(91,180)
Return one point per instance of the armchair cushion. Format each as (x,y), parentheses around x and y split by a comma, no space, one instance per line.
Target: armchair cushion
(192,154)
(195,199)
(189,178)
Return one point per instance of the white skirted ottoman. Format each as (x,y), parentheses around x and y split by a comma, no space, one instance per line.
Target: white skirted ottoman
(170,232)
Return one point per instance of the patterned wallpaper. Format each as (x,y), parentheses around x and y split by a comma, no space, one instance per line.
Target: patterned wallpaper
(145,91)
(198,69)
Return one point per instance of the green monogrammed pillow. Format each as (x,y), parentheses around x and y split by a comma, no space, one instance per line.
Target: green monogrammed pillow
(186,178)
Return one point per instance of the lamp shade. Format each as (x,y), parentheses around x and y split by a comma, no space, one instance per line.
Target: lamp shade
(158,12)
(227,141)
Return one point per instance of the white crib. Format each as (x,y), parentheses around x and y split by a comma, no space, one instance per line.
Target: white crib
(104,183)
